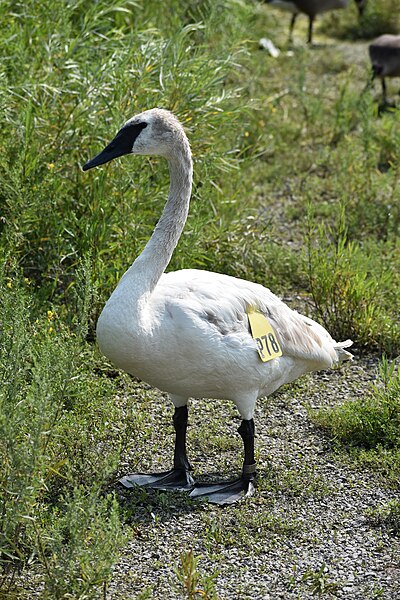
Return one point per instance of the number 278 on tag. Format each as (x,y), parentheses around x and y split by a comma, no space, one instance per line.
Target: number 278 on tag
(268,346)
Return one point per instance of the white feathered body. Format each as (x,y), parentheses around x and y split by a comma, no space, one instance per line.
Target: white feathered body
(191,337)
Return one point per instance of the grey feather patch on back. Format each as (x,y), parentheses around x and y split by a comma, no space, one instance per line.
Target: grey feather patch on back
(223,327)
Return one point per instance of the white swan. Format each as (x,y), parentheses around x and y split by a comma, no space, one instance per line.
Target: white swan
(187,332)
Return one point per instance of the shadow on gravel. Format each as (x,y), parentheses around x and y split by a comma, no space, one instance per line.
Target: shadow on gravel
(152,506)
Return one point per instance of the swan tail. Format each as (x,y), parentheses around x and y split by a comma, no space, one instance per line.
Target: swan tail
(342,354)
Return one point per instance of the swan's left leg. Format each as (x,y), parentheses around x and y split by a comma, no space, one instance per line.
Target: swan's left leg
(230,492)
(310,30)
(179,477)
(180,420)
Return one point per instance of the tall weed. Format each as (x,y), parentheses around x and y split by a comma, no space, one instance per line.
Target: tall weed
(68,105)
(53,422)
(79,545)
(353,288)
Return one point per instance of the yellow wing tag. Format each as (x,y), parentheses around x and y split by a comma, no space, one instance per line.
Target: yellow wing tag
(261,330)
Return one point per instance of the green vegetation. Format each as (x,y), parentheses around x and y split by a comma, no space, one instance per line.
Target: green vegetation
(319,581)
(55,416)
(373,420)
(280,146)
(387,516)
(370,425)
(194,585)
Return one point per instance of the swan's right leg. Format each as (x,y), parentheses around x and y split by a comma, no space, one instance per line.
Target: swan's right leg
(179,477)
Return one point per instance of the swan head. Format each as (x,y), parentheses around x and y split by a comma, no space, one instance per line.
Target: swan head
(152,132)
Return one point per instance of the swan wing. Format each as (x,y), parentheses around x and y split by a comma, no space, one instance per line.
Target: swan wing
(222,303)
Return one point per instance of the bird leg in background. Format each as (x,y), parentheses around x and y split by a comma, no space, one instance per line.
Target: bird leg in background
(384,90)
(292,22)
(310,30)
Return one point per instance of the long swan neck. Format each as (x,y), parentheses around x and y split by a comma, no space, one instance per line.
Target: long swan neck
(152,262)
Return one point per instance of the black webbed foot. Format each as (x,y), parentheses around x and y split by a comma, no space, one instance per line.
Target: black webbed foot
(175,479)
(224,492)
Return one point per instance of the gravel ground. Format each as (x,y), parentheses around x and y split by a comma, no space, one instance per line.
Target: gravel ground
(306,529)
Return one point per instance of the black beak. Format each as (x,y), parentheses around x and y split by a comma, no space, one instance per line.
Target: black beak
(121,144)
(111,151)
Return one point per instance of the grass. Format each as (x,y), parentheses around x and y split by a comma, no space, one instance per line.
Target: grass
(373,420)
(370,425)
(71,74)
(319,582)
(387,516)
